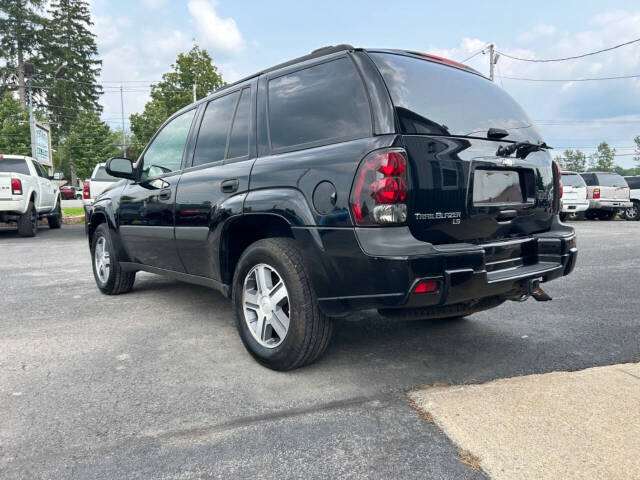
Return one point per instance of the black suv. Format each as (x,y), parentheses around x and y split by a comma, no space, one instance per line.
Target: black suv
(343,180)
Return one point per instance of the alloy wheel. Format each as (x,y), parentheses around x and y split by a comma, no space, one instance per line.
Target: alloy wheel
(102,260)
(265,302)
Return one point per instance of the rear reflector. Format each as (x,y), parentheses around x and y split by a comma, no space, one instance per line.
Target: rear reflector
(426,286)
(86,193)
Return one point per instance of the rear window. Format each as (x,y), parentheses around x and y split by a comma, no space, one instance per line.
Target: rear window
(633,182)
(611,180)
(590,179)
(14,165)
(435,99)
(102,176)
(317,105)
(572,180)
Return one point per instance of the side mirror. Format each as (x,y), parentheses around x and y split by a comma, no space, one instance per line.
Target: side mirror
(121,168)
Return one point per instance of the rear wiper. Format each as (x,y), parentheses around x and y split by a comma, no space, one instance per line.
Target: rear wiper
(522,149)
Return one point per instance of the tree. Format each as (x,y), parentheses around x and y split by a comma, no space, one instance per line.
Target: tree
(637,155)
(176,91)
(20,24)
(603,159)
(88,142)
(573,161)
(68,40)
(14,127)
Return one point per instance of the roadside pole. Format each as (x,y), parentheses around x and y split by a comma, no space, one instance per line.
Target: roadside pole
(124,138)
(32,123)
(491,61)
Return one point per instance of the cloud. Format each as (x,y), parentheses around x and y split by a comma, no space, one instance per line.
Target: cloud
(220,34)
(537,32)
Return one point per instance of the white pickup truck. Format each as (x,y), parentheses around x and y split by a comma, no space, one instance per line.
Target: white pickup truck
(100,180)
(27,194)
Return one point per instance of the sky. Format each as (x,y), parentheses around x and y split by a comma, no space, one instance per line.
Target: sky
(138,40)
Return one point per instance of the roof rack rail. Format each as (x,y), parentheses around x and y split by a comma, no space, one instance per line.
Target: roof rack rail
(332,49)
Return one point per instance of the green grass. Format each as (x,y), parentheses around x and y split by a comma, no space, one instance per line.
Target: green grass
(73,210)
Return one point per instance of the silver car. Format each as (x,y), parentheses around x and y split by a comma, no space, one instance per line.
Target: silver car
(608,194)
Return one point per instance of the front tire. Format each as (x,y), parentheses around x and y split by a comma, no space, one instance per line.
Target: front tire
(109,276)
(28,222)
(277,314)
(563,216)
(55,221)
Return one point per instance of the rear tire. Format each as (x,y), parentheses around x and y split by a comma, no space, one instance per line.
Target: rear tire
(28,222)
(55,221)
(277,262)
(109,276)
(633,213)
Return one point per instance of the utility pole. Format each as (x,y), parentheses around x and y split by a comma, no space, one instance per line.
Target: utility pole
(195,92)
(491,61)
(32,122)
(124,138)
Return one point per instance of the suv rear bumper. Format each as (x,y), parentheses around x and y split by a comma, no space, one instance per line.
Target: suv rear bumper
(609,204)
(363,268)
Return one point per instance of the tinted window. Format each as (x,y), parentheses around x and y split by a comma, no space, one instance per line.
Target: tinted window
(39,170)
(633,182)
(214,129)
(164,155)
(14,165)
(590,179)
(573,180)
(318,104)
(239,138)
(102,176)
(435,99)
(611,180)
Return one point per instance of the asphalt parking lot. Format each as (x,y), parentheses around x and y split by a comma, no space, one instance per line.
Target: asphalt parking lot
(156,383)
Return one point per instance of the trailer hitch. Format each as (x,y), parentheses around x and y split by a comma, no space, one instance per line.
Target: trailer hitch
(531,288)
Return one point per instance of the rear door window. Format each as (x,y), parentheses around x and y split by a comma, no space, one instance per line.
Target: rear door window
(321,104)
(14,165)
(239,136)
(214,129)
(633,182)
(611,180)
(590,179)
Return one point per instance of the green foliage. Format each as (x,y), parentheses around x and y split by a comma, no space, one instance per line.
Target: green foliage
(573,161)
(174,92)
(14,127)
(67,39)
(88,142)
(627,172)
(603,159)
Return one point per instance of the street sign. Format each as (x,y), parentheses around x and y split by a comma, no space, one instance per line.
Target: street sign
(43,145)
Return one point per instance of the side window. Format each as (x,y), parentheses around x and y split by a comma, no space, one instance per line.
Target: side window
(164,155)
(214,129)
(322,103)
(239,137)
(39,170)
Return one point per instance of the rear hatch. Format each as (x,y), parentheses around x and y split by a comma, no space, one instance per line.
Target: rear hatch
(462,190)
(612,187)
(10,168)
(574,188)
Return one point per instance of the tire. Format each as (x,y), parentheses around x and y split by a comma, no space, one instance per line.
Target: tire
(28,222)
(308,333)
(55,221)
(633,213)
(590,215)
(564,216)
(109,276)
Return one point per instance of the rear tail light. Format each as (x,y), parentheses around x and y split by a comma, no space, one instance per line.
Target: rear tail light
(16,186)
(596,193)
(426,286)
(379,193)
(86,194)
(560,186)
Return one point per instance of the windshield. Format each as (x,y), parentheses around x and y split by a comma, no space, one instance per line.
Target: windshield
(102,176)
(573,180)
(14,165)
(611,180)
(435,99)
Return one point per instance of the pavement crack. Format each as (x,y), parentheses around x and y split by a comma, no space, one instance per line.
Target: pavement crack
(628,373)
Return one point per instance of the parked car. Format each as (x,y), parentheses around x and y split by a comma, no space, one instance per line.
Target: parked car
(68,192)
(574,195)
(343,180)
(27,193)
(633,212)
(608,195)
(94,186)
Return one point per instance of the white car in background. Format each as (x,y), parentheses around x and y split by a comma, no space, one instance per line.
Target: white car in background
(633,213)
(100,180)
(608,195)
(575,199)
(27,194)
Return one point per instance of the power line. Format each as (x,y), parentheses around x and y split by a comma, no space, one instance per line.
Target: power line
(569,58)
(569,79)
(478,52)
